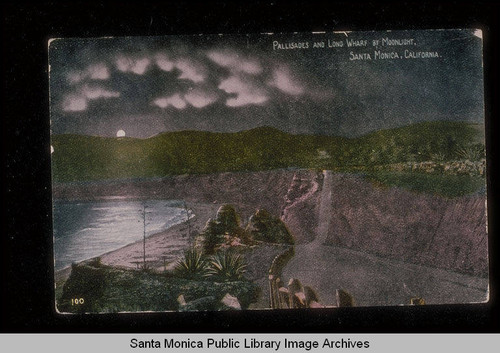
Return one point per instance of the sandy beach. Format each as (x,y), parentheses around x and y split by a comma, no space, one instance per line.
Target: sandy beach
(162,249)
(159,245)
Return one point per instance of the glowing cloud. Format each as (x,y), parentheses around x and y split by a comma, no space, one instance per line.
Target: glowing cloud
(74,103)
(161,102)
(94,72)
(75,77)
(176,101)
(164,63)
(283,80)
(199,98)
(98,72)
(246,93)
(234,62)
(136,66)
(77,102)
(98,92)
(190,71)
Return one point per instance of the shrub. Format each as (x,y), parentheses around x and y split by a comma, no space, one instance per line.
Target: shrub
(226,223)
(438,156)
(85,281)
(226,266)
(471,152)
(192,266)
(211,237)
(228,218)
(265,227)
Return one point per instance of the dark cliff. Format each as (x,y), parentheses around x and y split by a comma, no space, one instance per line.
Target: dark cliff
(448,233)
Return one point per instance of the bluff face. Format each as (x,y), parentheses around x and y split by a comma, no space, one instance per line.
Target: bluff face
(448,233)
(345,210)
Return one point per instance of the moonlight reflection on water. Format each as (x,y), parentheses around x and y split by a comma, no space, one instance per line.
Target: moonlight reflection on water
(85,229)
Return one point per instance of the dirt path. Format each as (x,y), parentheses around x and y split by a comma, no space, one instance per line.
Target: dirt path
(373,281)
(325,207)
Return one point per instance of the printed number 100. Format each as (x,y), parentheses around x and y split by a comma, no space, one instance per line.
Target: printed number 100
(77,301)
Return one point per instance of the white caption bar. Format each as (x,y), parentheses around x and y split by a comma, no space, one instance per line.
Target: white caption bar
(408,343)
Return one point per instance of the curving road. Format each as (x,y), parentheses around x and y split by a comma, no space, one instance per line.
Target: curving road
(325,209)
(372,280)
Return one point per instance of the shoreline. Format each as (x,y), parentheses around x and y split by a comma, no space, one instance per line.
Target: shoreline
(130,255)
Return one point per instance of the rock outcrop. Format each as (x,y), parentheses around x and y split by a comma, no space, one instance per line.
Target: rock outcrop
(301,207)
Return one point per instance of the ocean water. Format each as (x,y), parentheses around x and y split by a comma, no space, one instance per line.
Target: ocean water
(85,229)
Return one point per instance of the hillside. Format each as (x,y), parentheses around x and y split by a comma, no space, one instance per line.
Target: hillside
(80,158)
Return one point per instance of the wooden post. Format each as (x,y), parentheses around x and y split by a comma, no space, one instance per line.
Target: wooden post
(271,292)
(144,236)
(344,298)
(164,263)
(294,287)
(417,301)
(284,298)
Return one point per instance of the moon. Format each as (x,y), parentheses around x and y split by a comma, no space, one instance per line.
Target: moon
(120,133)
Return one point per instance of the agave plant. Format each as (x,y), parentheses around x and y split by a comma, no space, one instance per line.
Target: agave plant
(471,152)
(438,156)
(192,266)
(226,266)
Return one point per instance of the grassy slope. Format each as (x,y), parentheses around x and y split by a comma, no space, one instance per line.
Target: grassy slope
(108,289)
(79,158)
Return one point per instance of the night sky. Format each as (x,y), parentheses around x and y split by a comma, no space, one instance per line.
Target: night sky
(227,83)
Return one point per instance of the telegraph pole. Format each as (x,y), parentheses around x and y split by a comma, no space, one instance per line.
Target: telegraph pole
(144,236)
(187,219)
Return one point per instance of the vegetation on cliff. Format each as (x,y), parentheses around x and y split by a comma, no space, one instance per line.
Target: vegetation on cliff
(78,158)
(93,287)
(263,226)
(225,230)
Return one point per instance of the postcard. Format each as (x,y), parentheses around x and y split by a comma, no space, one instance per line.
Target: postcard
(268,171)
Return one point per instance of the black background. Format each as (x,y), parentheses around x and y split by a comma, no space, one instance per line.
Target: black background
(26,249)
